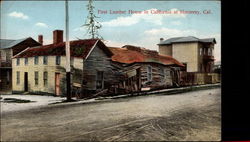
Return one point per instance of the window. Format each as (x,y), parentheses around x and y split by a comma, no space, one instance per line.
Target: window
(3,56)
(99,80)
(18,61)
(185,66)
(162,73)
(36,77)
(45,78)
(210,51)
(36,60)
(17,77)
(45,60)
(167,73)
(58,60)
(26,61)
(200,51)
(149,73)
(204,51)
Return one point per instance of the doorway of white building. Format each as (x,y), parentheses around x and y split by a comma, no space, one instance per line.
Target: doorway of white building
(57,84)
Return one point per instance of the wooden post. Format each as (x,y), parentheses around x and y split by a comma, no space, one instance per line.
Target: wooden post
(67,46)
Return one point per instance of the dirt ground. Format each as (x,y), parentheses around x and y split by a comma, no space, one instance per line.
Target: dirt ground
(191,116)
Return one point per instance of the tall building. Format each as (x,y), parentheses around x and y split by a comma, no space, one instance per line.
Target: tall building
(195,53)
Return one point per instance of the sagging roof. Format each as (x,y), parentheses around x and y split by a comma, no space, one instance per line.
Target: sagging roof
(132,54)
(78,48)
(8,43)
(187,39)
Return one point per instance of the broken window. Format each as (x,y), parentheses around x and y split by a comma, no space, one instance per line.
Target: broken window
(17,77)
(45,78)
(149,73)
(99,80)
(36,77)
(200,51)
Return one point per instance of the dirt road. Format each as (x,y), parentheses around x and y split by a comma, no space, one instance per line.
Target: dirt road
(187,116)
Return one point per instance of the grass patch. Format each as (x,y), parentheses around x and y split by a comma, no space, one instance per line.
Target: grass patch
(14,100)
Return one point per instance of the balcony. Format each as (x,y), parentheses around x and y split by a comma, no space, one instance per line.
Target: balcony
(5,64)
(208,58)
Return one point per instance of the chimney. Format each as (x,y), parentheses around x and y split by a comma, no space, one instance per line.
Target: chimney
(161,40)
(40,39)
(57,36)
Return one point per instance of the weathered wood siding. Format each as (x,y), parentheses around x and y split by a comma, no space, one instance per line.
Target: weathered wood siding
(161,76)
(76,70)
(97,61)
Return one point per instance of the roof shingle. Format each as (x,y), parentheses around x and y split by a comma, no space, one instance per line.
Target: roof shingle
(132,54)
(8,43)
(186,39)
(78,48)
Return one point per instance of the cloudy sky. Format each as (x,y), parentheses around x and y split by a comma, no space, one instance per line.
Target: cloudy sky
(21,19)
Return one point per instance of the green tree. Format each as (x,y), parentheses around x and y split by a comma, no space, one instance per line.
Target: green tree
(91,23)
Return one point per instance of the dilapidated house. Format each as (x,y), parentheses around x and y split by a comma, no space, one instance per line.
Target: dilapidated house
(145,69)
(95,68)
(9,48)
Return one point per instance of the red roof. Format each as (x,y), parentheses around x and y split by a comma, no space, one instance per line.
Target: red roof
(78,48)
(132,54)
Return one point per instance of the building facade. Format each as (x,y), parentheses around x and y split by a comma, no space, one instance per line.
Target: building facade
(8,49)
(41,69)
(196,54)
(41,74)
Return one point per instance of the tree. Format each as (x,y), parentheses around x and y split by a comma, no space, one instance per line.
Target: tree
(92,25)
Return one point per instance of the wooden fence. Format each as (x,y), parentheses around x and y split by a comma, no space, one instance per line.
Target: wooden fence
(193,78)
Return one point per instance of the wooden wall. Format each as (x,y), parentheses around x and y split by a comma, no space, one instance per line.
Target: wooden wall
(137,78)
(161,76)
(98,61)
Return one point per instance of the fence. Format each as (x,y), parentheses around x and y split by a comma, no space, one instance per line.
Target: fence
(193,78)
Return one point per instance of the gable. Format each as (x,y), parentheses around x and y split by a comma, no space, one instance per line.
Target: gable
(97,52)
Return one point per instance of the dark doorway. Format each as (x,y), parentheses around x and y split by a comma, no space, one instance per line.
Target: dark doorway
(25,81)
(100,80)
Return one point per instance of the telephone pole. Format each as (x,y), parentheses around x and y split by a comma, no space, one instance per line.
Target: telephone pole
(67,46)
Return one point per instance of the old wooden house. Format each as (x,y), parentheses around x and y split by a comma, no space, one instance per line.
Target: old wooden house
(41,69)
(8,49)
(145,69)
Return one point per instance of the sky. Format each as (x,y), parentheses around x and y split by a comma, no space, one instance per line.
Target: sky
(202,19)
